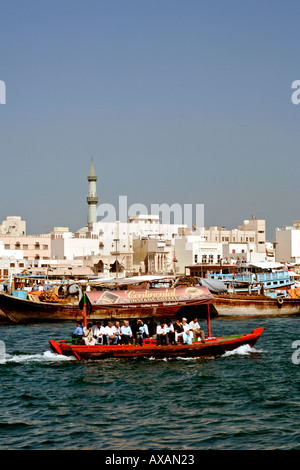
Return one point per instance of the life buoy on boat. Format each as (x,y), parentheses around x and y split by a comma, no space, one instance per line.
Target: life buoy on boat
(280,301)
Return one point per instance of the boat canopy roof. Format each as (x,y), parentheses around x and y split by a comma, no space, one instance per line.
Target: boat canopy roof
(149,298)
(128,280)
(266,265)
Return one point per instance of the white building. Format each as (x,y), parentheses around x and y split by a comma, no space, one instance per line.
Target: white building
(13,225)
(194,249)
(287,243)
(211,245)
(149,225)
(66,245)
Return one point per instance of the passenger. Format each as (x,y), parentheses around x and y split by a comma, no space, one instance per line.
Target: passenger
(98,332)
(195,331)
(170,332)
(186,329)
(88,335)
(185,326)
(141,333)
(110,334)
(179,332)
(126,333)
(117,331)
(161,334)
(78,333)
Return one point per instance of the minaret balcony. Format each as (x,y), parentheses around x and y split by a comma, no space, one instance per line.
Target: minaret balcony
(92,199)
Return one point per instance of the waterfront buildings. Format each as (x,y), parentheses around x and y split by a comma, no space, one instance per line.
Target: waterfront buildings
(213,245)
(142,244)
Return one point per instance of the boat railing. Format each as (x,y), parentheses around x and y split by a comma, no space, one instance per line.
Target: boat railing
(273,276)
(250,277)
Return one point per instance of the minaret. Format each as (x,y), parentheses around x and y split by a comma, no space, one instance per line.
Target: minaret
(92,198)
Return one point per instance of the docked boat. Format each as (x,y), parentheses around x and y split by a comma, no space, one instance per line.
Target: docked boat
(144,303)
(23,310)
(260,289)
(115,299)
(232,305)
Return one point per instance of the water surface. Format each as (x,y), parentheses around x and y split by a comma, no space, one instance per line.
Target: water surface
(246,399)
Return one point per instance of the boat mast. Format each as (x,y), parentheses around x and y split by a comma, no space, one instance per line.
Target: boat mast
(208,321)
(84,310)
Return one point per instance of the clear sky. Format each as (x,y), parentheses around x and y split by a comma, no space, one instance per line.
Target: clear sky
(177,101)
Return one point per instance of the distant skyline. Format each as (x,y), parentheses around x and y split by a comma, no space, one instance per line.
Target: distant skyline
(176,102)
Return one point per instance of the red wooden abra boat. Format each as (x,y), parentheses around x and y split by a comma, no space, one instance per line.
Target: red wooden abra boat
(213,346)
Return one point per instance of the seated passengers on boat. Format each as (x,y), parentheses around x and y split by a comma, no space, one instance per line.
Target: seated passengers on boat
(113,334)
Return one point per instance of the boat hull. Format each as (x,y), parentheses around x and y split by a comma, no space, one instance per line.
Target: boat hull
(3,317)
(24,311)
(211,348)
(254,305)
(149,303)
(18,310)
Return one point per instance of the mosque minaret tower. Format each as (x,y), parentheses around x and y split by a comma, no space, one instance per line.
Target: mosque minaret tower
(92,198)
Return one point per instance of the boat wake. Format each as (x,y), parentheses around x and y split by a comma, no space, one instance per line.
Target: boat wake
(47,356)
(244,350)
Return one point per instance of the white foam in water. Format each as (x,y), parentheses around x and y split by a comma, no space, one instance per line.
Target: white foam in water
(47,356)
(2,352)
(241,350)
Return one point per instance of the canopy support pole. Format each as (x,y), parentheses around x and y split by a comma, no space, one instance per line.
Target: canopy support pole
(208,321)
(84,310)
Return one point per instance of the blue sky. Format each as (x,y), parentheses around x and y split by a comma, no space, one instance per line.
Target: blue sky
(177,102)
